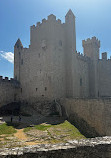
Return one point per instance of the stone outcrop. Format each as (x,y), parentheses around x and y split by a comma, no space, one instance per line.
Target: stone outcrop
(89,148)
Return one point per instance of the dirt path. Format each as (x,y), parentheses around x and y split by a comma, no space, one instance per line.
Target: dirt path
(21,136)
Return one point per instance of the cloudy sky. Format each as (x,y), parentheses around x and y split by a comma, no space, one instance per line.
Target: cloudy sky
(93,18)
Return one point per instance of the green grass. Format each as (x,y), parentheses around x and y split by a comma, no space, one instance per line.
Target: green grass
(38,127)
(42,127)
(28,129)
(60,129)
(70,129)
(5,129)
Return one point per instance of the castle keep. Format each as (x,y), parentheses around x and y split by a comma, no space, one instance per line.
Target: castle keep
(51,68)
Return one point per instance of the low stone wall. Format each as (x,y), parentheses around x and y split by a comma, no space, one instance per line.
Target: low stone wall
(91,116)
(89,148)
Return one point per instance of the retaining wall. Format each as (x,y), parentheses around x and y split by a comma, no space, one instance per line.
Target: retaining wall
(90,115)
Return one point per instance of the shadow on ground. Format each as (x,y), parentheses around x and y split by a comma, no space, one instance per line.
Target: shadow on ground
(27,120)
(30,121)
(13,111)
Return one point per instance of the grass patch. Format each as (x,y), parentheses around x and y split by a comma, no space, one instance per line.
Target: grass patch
(5,129)
(65,129)
(28,129)
(38,127)
(42,127)
(70,129)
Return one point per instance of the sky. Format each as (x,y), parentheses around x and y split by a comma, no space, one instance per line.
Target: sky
(93,18)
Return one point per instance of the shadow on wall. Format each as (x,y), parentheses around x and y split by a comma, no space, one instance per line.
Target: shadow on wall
(9,109)
(43,112)
(81,124)
(19,115)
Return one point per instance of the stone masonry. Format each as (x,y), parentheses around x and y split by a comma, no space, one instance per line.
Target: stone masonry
(89,148)
(51,68)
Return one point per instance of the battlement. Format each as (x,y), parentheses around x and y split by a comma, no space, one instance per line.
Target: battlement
(104,56)
(44,20)
(49,18)
(82,56)
(91,41)
(7,80)
(33,26)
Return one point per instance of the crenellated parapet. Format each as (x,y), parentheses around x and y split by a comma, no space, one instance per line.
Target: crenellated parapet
(11,81)
(93,40)
(91,48)
(81,56)
(104,57)
(50,18)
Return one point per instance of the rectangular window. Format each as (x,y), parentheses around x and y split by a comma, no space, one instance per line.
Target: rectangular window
(80,81)
(21,61)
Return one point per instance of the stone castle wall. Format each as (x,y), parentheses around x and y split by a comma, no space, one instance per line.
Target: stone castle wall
(95,112)
(50,68)
(104,78)
(42,69)
(80,72)
(7,91)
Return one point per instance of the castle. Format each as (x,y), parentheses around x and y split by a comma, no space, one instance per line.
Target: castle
(51,68)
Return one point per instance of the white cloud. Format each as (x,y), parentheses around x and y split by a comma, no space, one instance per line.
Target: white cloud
(9,56)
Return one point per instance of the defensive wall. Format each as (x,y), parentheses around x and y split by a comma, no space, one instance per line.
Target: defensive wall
(104,66)
(91,116)
(7,90)
(89,148)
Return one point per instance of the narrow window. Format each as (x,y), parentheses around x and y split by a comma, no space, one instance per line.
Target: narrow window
(21,90)
(80,81)
(39,55)
(36,89)
(15,95)
(60,43)
(45,88)
(22,62)
(98,93)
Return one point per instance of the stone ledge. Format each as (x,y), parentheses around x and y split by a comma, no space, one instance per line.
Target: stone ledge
(93,143)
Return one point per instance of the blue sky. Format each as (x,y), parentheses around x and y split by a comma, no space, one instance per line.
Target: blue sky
(93,18)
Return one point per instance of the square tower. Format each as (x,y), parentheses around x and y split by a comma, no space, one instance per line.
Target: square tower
(91,47)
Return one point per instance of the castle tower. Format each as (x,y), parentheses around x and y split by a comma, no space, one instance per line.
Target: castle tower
(17,59)
(70,30)
(70,34)
(91,49)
